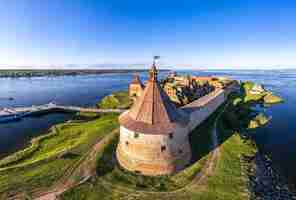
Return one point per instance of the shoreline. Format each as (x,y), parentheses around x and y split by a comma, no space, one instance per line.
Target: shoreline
(29,73)
(267,182)
(240,155)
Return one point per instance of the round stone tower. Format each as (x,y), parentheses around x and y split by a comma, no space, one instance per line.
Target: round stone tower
(153,133)
(136,87)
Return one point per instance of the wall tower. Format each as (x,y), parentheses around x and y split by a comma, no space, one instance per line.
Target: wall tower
(153,133)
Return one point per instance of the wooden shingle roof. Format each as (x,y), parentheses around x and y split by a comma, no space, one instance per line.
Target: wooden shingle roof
(153,112)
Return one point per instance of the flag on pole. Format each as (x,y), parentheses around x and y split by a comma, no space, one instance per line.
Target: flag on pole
(155,59)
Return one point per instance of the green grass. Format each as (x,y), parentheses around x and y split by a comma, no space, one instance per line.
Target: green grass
(62,138)
(116,100)
(86,116)
(272,99)
(226,182)
(253,97)
(249,97)
(264,97)
(33,177)
(55,152)
(258,121)
(201,143)
(242,116)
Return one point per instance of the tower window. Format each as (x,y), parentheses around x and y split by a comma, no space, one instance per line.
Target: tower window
(163,148)
(171,135)
(180,151)
(136,135)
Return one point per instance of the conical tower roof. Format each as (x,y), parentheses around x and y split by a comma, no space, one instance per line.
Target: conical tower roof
(153,112)
(136,80)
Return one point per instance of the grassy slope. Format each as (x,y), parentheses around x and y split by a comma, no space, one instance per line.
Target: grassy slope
(119,178)
(115,100)
(200,144)
(227,181)
(42,174)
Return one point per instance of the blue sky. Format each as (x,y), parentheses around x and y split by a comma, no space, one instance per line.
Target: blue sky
(189,33)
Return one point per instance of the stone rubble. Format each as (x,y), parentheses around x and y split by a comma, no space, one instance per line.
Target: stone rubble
(265,183)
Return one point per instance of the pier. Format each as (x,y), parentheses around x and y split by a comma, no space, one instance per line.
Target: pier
(12,114)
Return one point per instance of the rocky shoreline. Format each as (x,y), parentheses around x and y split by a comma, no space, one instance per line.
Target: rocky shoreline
(265,182)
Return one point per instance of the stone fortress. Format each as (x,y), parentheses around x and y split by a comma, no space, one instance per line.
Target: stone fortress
(154,133)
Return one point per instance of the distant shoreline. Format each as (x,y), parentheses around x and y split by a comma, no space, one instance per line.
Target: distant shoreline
(19,73)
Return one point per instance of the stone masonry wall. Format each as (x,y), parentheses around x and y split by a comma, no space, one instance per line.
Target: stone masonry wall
(151,154)
(200,111)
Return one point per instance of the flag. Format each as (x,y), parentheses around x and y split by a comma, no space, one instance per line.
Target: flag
(156,57)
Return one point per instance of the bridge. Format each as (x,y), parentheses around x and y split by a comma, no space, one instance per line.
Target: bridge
(93,110)
(8,114)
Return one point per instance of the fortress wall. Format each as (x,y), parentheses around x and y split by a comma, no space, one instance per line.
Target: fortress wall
(153,154)
(202,108)
(144,153)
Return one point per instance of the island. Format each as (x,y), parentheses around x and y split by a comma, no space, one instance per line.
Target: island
(183,137)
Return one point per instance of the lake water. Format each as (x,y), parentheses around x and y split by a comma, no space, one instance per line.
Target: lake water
(279,137)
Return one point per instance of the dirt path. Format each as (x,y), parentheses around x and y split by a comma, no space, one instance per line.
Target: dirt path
(87,168)
(200,178)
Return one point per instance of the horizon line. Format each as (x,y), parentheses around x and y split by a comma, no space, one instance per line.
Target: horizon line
(146,68)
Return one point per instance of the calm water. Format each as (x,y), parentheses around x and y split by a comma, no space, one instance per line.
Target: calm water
(279,137)
(67,90)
